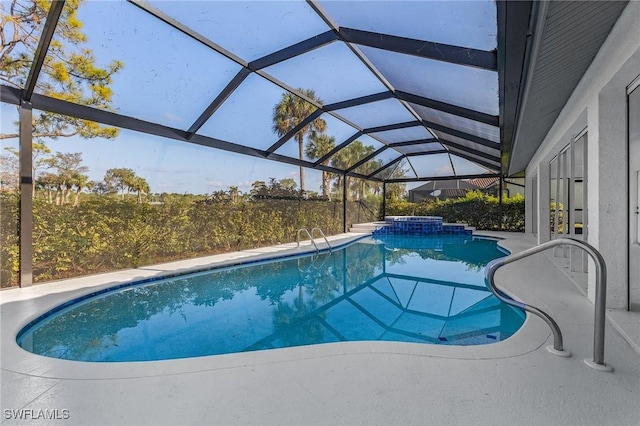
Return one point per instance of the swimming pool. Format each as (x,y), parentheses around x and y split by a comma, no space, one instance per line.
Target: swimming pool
(397,288)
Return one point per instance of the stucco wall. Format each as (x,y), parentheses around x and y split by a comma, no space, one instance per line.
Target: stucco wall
(599,103)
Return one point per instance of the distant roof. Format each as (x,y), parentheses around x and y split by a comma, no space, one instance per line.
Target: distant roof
(483,183)
(455,184)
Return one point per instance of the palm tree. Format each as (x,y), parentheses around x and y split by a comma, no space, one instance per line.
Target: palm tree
(319,145)
(79,181)
(368,168)
(119,179)
(49,182)
(67,166)
(234,193)
(139,185)
(395,191)
(347,157)
(291,111)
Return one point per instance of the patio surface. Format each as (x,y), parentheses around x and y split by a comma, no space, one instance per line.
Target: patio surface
(511,382)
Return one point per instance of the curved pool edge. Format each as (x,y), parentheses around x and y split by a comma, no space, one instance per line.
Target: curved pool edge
(32,302)
(249,258)
(88,286)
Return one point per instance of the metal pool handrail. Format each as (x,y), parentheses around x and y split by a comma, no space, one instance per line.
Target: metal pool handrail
(310,238)
(317,228)
(600,303)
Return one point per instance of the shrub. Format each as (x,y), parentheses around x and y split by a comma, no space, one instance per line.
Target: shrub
(476,209)
(107,233)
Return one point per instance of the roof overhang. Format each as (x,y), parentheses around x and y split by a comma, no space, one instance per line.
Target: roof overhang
(557,53)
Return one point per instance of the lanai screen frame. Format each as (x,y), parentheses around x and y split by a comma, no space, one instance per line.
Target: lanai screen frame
(513,20)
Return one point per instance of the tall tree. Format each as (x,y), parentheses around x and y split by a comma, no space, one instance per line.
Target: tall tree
(291,111)
(234,194)
(9,173)
(287,184)
(318,146)
(80,182)
(48,182)
(68,169)
(119,179)
(140,186)
(258,190)
(395,191)
(347,157)
(366,169)
(70,71)
(39,159)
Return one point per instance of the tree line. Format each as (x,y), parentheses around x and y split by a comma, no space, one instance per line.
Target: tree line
(61,177)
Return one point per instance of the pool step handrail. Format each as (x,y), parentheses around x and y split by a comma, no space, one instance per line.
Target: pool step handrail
(317,228)
(313,265)
(324,260)
(310,266)
(306,231)
(600,303)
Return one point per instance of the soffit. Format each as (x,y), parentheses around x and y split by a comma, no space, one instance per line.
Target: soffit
(573,33)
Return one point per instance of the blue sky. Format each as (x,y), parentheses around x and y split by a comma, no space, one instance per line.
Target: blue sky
(170,79)
(168,165)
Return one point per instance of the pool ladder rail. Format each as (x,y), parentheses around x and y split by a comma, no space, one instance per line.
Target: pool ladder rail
(600,303)
(310,235)
(313,266)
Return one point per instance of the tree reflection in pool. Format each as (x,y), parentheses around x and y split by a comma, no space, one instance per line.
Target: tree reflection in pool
(411,289)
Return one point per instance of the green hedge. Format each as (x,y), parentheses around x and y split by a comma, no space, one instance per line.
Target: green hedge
(105,234)
(9,254)
(108,233)
(476,209)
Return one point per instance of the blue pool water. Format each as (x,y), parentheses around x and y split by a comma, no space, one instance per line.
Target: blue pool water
(397,288)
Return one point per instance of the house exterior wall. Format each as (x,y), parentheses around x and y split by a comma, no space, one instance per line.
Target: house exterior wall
(599,104)
(513,190)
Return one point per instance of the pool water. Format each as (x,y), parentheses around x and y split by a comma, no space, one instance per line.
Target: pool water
(400,288)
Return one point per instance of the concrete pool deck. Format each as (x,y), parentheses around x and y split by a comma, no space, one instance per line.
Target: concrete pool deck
(511,382)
